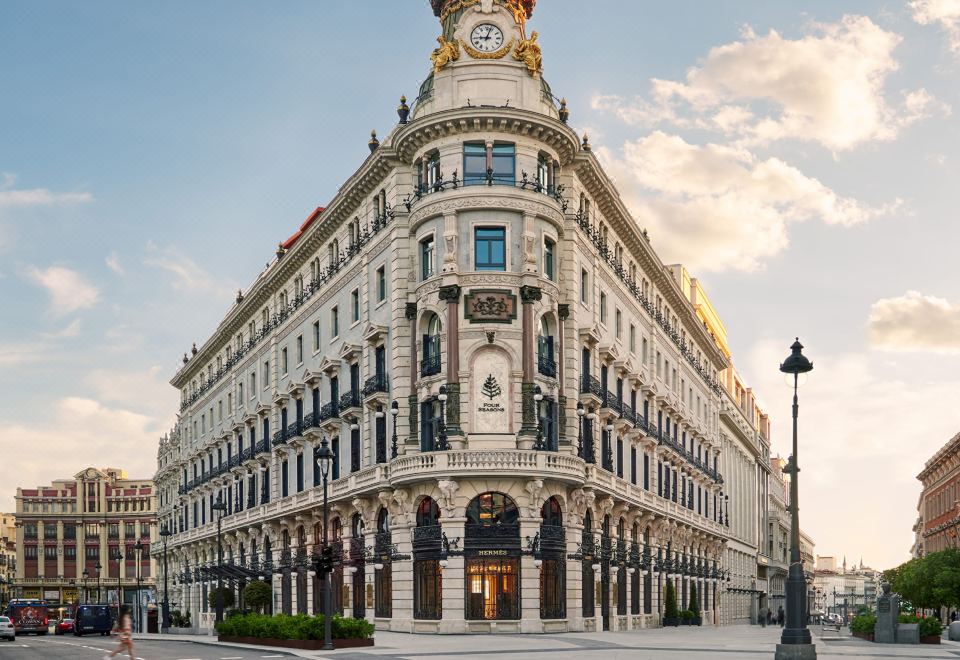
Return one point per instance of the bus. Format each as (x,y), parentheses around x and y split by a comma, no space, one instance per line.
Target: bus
(28,615)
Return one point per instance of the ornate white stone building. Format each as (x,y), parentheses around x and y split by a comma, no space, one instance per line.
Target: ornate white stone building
(524,404)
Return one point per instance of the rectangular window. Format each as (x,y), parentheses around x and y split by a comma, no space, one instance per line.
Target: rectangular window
(381,285)
(283,361)
(619,323)
(334,322)
(426,258)
(504,163)
(266,374)
(299,349)
(488,165)
(603,307)
(549,248)
(316,335)
(584,284)
(490,248)
(633,338)
(474,163)
(355,305)
(253,385)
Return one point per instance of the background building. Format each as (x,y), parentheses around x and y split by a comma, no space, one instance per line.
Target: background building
(8,556)
(524,403)
(939,506)
(70,533)
(778,535)
(844,589)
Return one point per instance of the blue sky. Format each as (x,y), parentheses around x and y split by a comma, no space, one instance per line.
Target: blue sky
(152,156)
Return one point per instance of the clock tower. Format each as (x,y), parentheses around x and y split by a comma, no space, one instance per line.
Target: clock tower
(486,56)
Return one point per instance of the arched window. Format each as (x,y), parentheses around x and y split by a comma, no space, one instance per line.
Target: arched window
(490,509)
(492,585)
(430,364)
(553,562)
(427,553)
(357,556)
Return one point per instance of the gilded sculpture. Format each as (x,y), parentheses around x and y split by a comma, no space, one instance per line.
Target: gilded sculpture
(449,51)
(528,52)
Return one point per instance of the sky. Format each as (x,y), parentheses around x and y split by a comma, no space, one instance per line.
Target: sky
(800,161)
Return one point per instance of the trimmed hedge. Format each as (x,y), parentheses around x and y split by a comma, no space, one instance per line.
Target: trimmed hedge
(929,625)
(863,623)
(300,626)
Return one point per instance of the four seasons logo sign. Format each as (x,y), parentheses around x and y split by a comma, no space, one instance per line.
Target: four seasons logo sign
(492,390)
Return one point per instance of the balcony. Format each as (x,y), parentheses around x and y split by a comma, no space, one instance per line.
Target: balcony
(262,447)
(280,438)
(491,178)
(328,410)
(488,461)
(378,383)
(350,403)
(430,365)
(312,420)
(590,386)
(546,365)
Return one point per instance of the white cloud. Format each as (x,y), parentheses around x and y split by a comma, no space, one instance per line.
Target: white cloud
(21,353)
(69,291)
(12,198)
(827,86)
(76,433)
(718,207)
(859,452)
(72,329)
(113,263)
(945,13)
(188,275)
(915,322)
(142,390)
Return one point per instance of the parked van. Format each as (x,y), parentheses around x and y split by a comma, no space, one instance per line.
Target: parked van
(92,619)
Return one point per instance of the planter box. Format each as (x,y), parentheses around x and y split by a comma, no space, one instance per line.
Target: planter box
(696,621)
(929,639)
(863,635)
(671,621)
(304,644)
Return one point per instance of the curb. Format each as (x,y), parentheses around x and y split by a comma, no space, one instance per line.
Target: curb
(213,642)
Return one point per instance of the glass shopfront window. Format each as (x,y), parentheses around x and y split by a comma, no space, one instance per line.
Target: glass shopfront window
(427,573)
(493,589)
(553,569)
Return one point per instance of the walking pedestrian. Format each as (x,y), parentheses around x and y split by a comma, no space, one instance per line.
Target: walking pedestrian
(124,630)
(763,617)
(780,616)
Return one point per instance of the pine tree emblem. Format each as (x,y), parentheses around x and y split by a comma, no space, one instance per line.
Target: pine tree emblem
(490,387)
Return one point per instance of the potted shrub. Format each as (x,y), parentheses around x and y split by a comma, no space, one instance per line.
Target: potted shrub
(930,630)
(299,631)
(686,617)
(694,606)
(227,598)
(670,615)
(862,626)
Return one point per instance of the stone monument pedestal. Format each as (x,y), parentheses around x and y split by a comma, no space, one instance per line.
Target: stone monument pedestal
(796,652)
(888,613)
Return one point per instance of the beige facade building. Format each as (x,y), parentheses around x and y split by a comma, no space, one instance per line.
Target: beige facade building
(8,555)
(70,533)
(525,404)
(843,589)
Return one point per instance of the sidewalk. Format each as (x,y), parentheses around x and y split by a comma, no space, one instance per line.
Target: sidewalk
(211,640)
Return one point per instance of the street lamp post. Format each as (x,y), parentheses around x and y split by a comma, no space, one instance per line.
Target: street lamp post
(394,411)
(442,444)
(165,606)
(795,642)
(219,507)
(138,546)
(119,558)
(325,459)
(537,398)
(98,567)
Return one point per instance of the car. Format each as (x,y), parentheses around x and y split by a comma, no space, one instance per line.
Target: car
(7,630)
(63,626)
(832,620)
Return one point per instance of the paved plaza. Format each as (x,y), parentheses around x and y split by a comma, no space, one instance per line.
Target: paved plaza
(693,643)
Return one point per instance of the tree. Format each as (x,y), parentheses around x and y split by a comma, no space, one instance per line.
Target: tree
(694,605)
(670,602)
(228,598)
(930,582)
(257,595)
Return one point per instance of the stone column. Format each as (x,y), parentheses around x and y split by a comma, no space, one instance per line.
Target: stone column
(529,581)
(528,426)
(450,294)
(402,536)
(412,401)
(454,604)
(563,313)
(574,581)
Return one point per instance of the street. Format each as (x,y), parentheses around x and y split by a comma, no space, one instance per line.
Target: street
(68,647)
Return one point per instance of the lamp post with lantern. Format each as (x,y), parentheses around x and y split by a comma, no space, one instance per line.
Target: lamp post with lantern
(795,642)
(325,458)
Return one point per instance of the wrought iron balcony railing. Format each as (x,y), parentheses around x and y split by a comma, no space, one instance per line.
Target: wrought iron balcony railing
(375,384)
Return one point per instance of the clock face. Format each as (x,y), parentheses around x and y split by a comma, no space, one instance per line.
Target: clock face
(486,38)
